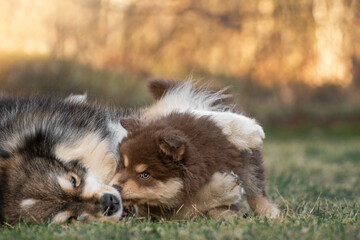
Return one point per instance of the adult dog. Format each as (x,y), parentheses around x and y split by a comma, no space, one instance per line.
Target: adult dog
(55,159)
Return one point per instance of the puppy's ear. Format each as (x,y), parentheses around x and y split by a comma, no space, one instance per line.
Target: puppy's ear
(130,124)
(173,145)
(158,87)
(4,154)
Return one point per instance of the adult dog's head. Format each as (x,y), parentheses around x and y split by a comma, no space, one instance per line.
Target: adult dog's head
(38,189)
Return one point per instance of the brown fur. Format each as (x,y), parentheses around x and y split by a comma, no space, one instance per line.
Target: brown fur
(191,149)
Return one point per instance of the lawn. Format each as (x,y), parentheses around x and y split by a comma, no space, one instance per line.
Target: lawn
(314,178)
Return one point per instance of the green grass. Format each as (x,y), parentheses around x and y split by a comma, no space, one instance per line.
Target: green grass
(315,180)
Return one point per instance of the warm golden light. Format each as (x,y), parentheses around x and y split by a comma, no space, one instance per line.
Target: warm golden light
(270,41)
(332,43)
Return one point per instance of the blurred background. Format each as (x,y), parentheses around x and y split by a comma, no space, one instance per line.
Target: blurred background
(291,63)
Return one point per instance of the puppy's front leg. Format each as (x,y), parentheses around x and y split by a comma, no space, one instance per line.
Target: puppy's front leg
(223,190)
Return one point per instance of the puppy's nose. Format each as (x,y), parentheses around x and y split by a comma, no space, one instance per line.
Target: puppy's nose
(110,204)
(117,187)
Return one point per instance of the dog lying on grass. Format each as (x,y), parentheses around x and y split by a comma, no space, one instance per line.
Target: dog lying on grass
(181,144)
(57,158)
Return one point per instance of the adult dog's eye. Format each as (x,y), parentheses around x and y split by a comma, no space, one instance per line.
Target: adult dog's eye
(74,179)
(145,175)
(73,182)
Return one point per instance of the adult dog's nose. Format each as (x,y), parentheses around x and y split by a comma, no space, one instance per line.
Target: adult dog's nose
(110,204)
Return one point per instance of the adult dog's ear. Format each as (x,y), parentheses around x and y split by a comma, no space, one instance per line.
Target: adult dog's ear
(4,154)
(172,144)
(130,124)
(158,87)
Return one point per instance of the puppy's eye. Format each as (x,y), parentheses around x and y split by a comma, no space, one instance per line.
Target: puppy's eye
(73,182)
(145,175)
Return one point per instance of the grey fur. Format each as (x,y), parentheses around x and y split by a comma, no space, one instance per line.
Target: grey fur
(30,129)
(59,120)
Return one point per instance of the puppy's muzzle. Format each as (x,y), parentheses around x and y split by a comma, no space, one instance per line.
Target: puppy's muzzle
(110,204)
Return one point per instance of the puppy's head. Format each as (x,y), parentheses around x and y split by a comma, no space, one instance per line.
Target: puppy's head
(151,171)
(41,189)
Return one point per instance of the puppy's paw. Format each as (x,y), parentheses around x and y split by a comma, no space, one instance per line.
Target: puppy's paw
(271,211)
(263,207)
(225,188)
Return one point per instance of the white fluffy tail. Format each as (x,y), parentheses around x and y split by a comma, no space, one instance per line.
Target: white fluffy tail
(186,97)
(242,131)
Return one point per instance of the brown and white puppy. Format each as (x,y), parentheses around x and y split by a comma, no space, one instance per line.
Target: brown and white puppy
(171,157)
(224,189)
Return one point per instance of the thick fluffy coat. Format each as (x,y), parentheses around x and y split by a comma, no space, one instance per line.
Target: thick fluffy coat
(56,157)
(181,142)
